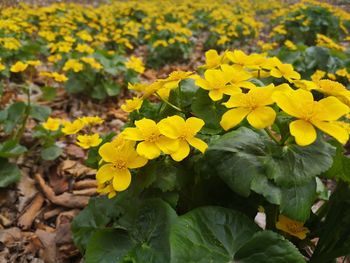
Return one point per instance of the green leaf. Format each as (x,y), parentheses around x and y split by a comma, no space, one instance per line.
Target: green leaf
(49,93)
(247,160)
(294,165)
(51,153)
(209,111)
(111,88)
(15,113)
(210,234)
(40,113)
(341,166)
(145,236)
(75,84)
(95,216)
(296,201)
(183,95)
(11,148)
(10,173)
(268,247)
(108,246)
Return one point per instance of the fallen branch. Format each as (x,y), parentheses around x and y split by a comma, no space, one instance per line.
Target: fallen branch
(83,184)
(88,191)
(25,221)
(65,199)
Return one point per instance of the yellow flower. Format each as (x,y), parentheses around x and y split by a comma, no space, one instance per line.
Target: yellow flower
(319,74)
(119,158)
(175,127)
(333,88)
(2,66)
(91,120)
(92,62)
(174,78)
(106,189)
(132,104)
(34,62)
(72,127)
(153,142)
(19,66)
(73,64)
(135,64)
(59,77)
(286,71)
(217,82)
(290,45)
(252,105)
(83,48)
(88,141)
(52,124)
(292,227)
(212,59)
(310,113)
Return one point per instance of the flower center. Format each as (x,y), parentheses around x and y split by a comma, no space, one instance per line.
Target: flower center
(293,227)
(120,165)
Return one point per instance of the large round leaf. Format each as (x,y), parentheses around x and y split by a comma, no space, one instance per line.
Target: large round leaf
(268,247)
(209,234)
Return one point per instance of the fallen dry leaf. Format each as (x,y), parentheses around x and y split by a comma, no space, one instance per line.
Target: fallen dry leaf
(74,168)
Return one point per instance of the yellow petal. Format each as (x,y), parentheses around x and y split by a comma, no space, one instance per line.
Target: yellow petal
(197,143)
(286,103)
(105,173)
(121,180)
(145,124)
(136,161)
(133,134)
(261,117)
(233,117)
(194,124)
(182,152)
(303,132)
(203,84)
(276,73)
(171,127)
(167,145)
(107,152)
(148,150)
(215,94)
(331,109)
(333,129)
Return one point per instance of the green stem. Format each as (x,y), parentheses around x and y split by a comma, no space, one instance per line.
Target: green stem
(272,136)
(169,103)
(26,116)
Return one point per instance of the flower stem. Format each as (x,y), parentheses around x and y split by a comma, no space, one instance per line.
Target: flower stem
(272,136)
(169,103)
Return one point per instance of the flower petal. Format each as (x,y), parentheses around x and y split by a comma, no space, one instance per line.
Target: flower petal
(215,94)
(121,180)
(331,109)
(333,130)
(286,103)
(148,150)
(167,145)
(182,152)
(233,117)
(133,134)
(108,152)
(303,132)
(198,144)
(105,173)
(261,117)
(171,127)
(194,124)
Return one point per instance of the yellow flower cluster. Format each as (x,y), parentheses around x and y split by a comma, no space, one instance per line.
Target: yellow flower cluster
(85,141)
(172,135)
